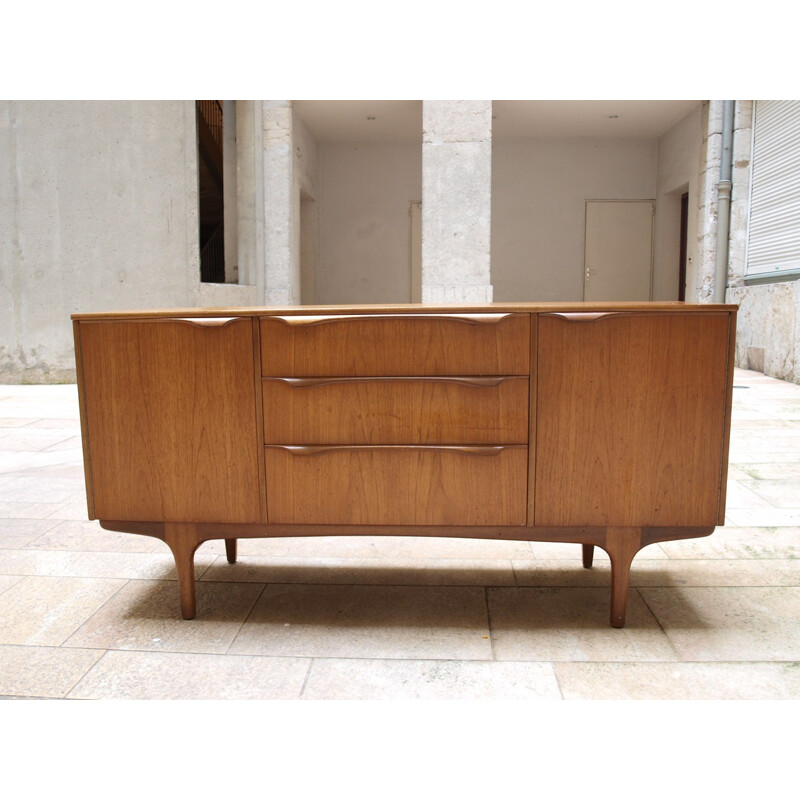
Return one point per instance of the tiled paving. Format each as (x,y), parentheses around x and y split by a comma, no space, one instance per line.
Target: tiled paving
(87,613)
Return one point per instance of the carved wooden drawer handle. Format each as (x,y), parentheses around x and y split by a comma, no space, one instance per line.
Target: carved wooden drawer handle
(582,316)
(477,383)
(205,322)
(315,450)
(322,320)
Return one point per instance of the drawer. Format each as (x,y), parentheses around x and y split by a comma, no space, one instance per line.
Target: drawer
(395,345)
(397,485)
(395,410)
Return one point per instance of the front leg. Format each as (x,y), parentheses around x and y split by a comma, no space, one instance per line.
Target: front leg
(182,540)
(622,544)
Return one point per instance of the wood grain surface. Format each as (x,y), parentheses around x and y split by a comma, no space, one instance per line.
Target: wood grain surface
(395,345)
(631,419)
(397,485)
(171,420)
(395,410)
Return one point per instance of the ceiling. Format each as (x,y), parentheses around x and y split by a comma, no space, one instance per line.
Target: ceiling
(401,120)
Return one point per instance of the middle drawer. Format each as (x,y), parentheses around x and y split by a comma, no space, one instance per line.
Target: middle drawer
(411,411)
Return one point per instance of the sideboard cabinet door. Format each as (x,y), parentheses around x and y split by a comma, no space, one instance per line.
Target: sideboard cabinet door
(170,414)
(631,418)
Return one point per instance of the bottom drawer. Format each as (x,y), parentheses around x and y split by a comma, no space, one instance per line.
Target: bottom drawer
(397,485)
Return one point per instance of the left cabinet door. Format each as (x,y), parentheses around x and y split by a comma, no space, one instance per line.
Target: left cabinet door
(169,419)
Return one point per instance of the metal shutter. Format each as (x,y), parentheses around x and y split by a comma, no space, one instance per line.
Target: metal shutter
(773,242)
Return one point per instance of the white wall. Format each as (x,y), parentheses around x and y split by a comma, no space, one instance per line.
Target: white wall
(679,158)
(539,190)
(305,230)
(98,211)
(364,224)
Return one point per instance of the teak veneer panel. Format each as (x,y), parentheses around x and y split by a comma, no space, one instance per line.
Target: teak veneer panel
(604,424)
(631,419)
(395,345)
(395,410)
(171,420)
(397,485)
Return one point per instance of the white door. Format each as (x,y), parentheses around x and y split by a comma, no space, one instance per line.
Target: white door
(618,255)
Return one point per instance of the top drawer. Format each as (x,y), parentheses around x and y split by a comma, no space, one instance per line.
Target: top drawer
(395,345)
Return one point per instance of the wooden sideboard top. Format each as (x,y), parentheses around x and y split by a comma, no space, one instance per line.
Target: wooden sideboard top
(411,308)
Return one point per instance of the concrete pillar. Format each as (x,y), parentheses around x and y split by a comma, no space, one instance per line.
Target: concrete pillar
(282,284)
(707,212)
(456,201)
(740,196)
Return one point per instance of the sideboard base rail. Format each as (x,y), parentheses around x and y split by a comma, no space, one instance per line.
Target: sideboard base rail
(620,543)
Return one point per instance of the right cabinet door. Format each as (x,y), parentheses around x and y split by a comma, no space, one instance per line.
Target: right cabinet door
(631,418)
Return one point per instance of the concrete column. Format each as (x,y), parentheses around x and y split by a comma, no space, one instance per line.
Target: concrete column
(281,282)
(707,212)
(740,196)
(456,201)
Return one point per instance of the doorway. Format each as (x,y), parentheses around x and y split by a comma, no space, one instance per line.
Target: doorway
(618,254)
(683,247)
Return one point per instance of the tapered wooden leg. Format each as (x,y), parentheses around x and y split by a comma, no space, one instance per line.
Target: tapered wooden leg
(588,555)
(622,544)
(230,550)
(182,540)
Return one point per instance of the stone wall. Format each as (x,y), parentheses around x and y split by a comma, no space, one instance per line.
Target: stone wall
(768,326)
(98,211)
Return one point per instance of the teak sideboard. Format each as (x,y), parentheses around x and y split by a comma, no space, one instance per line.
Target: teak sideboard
(604,425)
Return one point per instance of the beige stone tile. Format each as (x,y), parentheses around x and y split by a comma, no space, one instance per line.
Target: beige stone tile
(717,572)
(30,488)
(76,564)
(764,517)
(73,509)
(772,472)
(380,547)
(419,622)
(550,551)
(43,671)
(730,624)
(42,463)
(740,495)
(90,537)
(45,611)
(562,572)
(17,533)
(399,679)
(7,581)
(14,510)
(766,424)
(693,681)
(145,615)
(381,572)
(572,624)
(142,566)
(41,563)
(737,474)
(780,493)
(190,676)
(70,424)
(734,543)
(746,454)
(30,439)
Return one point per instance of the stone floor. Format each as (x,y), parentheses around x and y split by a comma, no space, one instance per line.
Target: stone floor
(87,613)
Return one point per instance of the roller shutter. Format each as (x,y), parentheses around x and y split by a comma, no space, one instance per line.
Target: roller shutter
(773,245)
